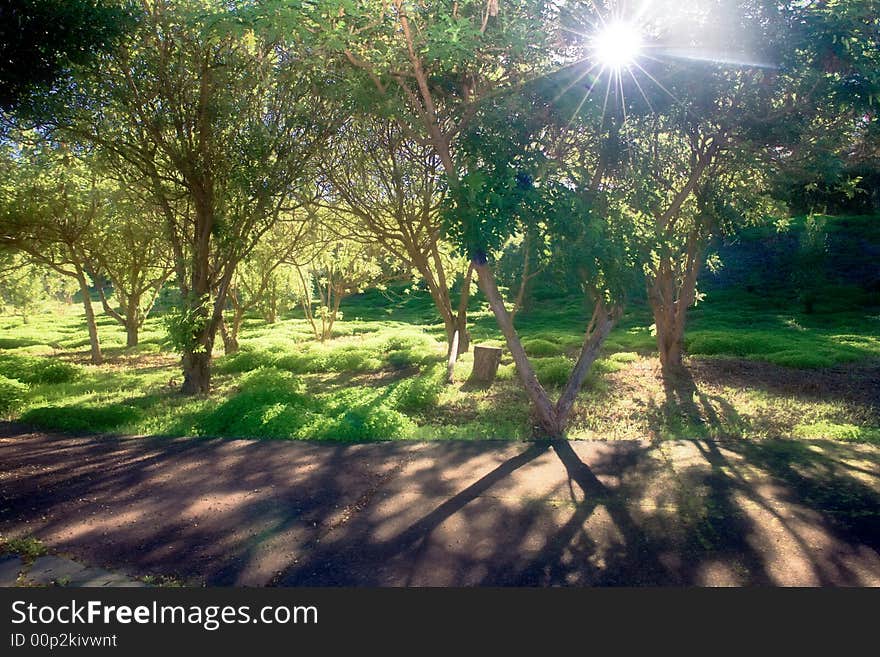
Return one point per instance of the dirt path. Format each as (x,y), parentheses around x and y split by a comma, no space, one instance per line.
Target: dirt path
(258,513)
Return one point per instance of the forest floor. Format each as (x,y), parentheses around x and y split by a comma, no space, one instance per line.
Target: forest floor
(257,513)
(761,368)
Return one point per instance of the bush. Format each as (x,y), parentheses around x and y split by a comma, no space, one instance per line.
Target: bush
(368,422)
(553,371)
(36,370)
(420,392)
(401,360)
(271,404)
(82,418)
(244,361)
(12,394)
(605,366)
(538,348)
(624,357)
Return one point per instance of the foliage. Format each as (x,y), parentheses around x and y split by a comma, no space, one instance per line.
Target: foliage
(809,273)
(35,370)
(28,547)
(186,324)
(79,419)
(26,289)
(12,394)
(40,40)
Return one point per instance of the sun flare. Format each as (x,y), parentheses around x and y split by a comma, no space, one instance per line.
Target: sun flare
(617,45)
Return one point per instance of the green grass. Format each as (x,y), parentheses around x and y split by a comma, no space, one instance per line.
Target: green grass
(748,326)
(833,431)
(28,548)
(12,395)
(382,375)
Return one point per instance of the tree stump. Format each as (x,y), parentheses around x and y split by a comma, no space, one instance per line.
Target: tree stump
(486,361)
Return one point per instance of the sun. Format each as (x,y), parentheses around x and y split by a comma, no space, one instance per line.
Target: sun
(617,45)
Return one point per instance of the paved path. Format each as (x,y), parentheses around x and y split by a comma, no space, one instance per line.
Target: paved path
(51,570)
(440,514)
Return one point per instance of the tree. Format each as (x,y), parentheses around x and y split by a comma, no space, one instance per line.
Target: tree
(387,189)
(218,125)
(431,67)
(703,133)
(133,255)
(335,268)
(26,288)
(267,280)
(50,205)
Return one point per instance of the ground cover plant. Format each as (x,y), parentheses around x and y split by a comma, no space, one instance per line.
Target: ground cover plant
(763,368)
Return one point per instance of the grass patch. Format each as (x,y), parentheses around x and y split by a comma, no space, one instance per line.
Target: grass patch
(787,346)
(80,419)
(834,431)
(12,395)
(28,548)
(33,369)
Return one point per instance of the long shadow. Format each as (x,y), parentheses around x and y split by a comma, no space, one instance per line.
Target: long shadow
(723,522)
(634,561)
(321,505)
(850,384)
(323,566)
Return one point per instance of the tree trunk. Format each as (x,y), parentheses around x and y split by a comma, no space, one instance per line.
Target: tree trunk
(524,279)
(131,332)
(96,355)
(600,326)
(464,336)
(669,344)
(230,339)
(458,338)
(196,373)
(133,319)
(671,294)
(538,396)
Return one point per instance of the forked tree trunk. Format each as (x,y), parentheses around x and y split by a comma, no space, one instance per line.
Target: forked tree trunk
(553,419)
(600,326)
(545,411)
(96,355)
(671,294)
(131,320)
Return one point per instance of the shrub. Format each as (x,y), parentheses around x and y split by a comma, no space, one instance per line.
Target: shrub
(367,422)
(12,394)
(271,404)
(82,418)
(244,361)
(420,392)
(605,366)
(36,370)
(538,348)
(401,360)
(624,357)
(553,371)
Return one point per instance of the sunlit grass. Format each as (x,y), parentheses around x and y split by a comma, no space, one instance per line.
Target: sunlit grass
(382,376)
